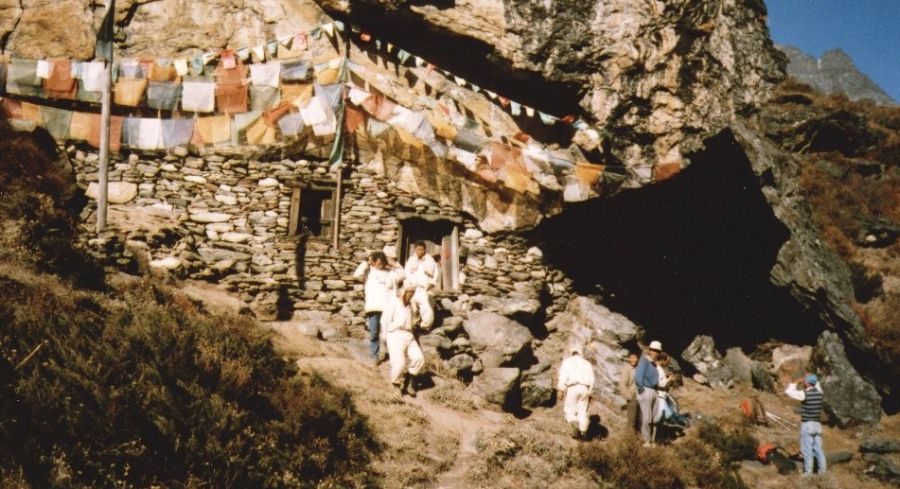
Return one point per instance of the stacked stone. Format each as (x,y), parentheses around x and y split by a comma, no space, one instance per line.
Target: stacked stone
(231,211)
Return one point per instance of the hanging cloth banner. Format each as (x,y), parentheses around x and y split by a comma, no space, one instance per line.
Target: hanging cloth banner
(515,108)
(177,132)
(547,119)
(243,54)
(267,74)
(57,122)
(529,111)
(181,66)
(60,84)
(259,53)
(198,96)
(403,56)
(104,47)
(336,158)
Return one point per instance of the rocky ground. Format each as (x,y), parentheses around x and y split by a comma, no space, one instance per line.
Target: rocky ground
(446,437)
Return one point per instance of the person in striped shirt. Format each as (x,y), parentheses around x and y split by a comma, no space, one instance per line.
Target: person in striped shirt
(811,402)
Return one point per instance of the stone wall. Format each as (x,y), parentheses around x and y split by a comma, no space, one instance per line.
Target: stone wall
(222,215)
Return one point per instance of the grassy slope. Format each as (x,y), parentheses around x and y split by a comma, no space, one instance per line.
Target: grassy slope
(137,386)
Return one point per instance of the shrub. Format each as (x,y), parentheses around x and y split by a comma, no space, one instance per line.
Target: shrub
(40,197)
(689,462)
(732,440)
(628,465)
(147,390)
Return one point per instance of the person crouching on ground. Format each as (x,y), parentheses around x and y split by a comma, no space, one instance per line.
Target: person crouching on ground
(646,378)
(811,400)
(381,278)
(421,271)
(628,390)
(576,382)
(404,353)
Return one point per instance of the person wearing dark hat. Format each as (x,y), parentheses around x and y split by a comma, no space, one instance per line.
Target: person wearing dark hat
(576,382)
(646,379)
(811,402)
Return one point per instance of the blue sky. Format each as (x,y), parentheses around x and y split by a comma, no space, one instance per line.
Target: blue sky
(867,30)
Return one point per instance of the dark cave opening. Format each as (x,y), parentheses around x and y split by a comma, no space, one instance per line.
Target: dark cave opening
(684,257)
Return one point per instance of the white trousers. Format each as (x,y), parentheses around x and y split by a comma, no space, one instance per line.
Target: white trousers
(423,303)
(576,406)
(404,355)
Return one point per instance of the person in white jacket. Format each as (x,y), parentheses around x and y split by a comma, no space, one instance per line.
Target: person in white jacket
(421,271)
(576,382)
(404,352)
(381,278)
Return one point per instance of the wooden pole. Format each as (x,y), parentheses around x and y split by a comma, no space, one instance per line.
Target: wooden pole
(337,206)
(103,172)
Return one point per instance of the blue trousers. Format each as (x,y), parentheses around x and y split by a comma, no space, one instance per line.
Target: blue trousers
(374,321)
(811,446)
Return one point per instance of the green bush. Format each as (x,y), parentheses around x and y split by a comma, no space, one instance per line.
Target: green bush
(733,441)
(40,205)
(147,390)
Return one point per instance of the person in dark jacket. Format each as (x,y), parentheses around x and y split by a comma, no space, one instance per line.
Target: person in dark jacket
(646,379)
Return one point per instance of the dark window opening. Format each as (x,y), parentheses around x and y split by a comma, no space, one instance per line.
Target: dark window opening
(441,238)
(312,212)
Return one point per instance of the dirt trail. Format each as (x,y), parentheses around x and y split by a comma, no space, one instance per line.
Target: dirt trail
(415,430)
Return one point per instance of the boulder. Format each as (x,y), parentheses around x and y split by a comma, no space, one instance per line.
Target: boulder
(879,445)
(459,364)
(497,385)
(608,326)
(117,193)
(168,263)
(740,364)
(536,386)
(790,362)
(762,378)
(308,329)
(333,330)
(210,217)
(711,370)
(515,306)
(492,333)
(439,342)
(882,468)
(849,399)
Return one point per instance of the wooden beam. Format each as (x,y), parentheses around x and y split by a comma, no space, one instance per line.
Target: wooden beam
(294,215)
(336,228)
(103,171)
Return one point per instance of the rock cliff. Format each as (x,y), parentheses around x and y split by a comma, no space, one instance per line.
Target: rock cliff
(834,73)
(657,80)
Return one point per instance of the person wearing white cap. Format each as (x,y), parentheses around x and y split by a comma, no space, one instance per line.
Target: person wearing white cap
(404,352)
(646,378)
(421,272)
(576,382)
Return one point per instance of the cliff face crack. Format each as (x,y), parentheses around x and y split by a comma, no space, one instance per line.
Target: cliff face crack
(688,256)
(5,39)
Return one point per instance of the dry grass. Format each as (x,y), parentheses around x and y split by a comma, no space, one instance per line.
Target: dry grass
(519,458)
(452,394)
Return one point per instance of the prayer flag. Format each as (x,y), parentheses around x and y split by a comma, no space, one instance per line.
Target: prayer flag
(104,48)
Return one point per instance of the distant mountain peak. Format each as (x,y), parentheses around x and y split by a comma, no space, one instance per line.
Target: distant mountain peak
(834,72)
